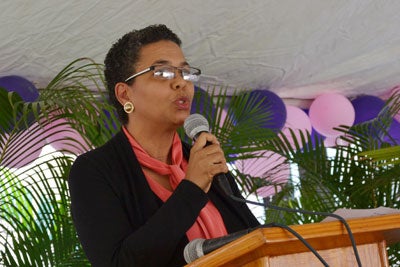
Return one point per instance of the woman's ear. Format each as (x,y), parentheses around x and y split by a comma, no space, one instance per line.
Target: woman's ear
(121,92)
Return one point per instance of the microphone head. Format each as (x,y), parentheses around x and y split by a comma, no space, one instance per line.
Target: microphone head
(193,250)
(195,124)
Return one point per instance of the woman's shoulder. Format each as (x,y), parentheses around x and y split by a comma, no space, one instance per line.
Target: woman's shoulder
(108,152)
(102,167)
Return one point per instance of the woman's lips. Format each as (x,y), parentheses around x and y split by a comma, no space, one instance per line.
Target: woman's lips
(183,103)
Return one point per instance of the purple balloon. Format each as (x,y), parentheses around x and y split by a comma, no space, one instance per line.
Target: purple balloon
(21,86)
(272,104)
(203,104)
(366,107)
(109,124)
(394,133)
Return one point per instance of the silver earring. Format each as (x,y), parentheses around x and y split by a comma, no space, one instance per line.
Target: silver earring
(129,107)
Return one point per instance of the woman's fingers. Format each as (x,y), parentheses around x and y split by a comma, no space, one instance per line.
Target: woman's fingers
(207,159)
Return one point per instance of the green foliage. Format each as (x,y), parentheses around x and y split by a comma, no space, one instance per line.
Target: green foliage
(361,172)
(35,222)
(36,227)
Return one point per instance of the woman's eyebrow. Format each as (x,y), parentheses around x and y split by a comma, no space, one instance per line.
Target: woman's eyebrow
(167,62)
(161,62)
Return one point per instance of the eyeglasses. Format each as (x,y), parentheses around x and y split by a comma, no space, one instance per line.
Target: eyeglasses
(168,72)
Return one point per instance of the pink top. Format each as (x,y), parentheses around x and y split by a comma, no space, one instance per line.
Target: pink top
(209,223)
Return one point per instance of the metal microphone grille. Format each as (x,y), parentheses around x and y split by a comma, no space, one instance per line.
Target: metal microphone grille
(195,124)
(193,250)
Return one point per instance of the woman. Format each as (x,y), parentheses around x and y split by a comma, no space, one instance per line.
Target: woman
(141,197)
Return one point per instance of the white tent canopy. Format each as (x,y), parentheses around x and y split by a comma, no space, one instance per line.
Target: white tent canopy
(297,49)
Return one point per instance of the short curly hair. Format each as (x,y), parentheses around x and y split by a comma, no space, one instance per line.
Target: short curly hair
(121,59)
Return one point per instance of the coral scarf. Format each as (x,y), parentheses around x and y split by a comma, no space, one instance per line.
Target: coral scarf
(209,223)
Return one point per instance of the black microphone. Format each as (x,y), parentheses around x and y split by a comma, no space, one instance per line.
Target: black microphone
(200,247)
(194,125)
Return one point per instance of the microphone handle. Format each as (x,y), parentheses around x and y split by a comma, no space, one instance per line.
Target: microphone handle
(220,178)
(223,183)
(210,245)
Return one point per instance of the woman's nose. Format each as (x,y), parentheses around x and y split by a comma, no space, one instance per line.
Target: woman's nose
(178,82)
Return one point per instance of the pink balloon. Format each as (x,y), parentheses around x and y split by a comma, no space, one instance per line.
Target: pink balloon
(331,110)
(298,121)
(26,147)
(334,141)
(330,141)
(61,136)
(384,96)
(224,113)
(270,166)
(396,90)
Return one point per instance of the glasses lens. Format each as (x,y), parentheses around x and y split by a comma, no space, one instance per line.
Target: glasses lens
(164,72)
(168,73)
(191,75)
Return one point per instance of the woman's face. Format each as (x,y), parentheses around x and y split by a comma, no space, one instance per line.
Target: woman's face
(161,102)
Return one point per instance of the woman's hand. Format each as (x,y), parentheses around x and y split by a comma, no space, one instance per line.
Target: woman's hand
(207,159)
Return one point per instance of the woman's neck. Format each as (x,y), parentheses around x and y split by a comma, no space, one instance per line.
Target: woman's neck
(156,143)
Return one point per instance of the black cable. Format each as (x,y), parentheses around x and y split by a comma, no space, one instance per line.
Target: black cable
(303,241)
(340,218)
(209,245)
(195,124)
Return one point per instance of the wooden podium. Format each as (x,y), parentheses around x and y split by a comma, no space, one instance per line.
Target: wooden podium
(278,247)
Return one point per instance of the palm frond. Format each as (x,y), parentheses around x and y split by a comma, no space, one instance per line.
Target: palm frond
(72,111)
(362,171)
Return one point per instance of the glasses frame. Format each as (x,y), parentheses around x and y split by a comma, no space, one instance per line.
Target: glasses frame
(152,68)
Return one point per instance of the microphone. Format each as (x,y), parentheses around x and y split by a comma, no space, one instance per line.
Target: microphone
(200,247)
(194,125)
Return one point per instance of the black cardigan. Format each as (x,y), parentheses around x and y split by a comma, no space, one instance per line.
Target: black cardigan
(121,222)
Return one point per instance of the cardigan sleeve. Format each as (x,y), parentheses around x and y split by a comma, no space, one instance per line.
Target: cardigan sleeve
(107,234)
